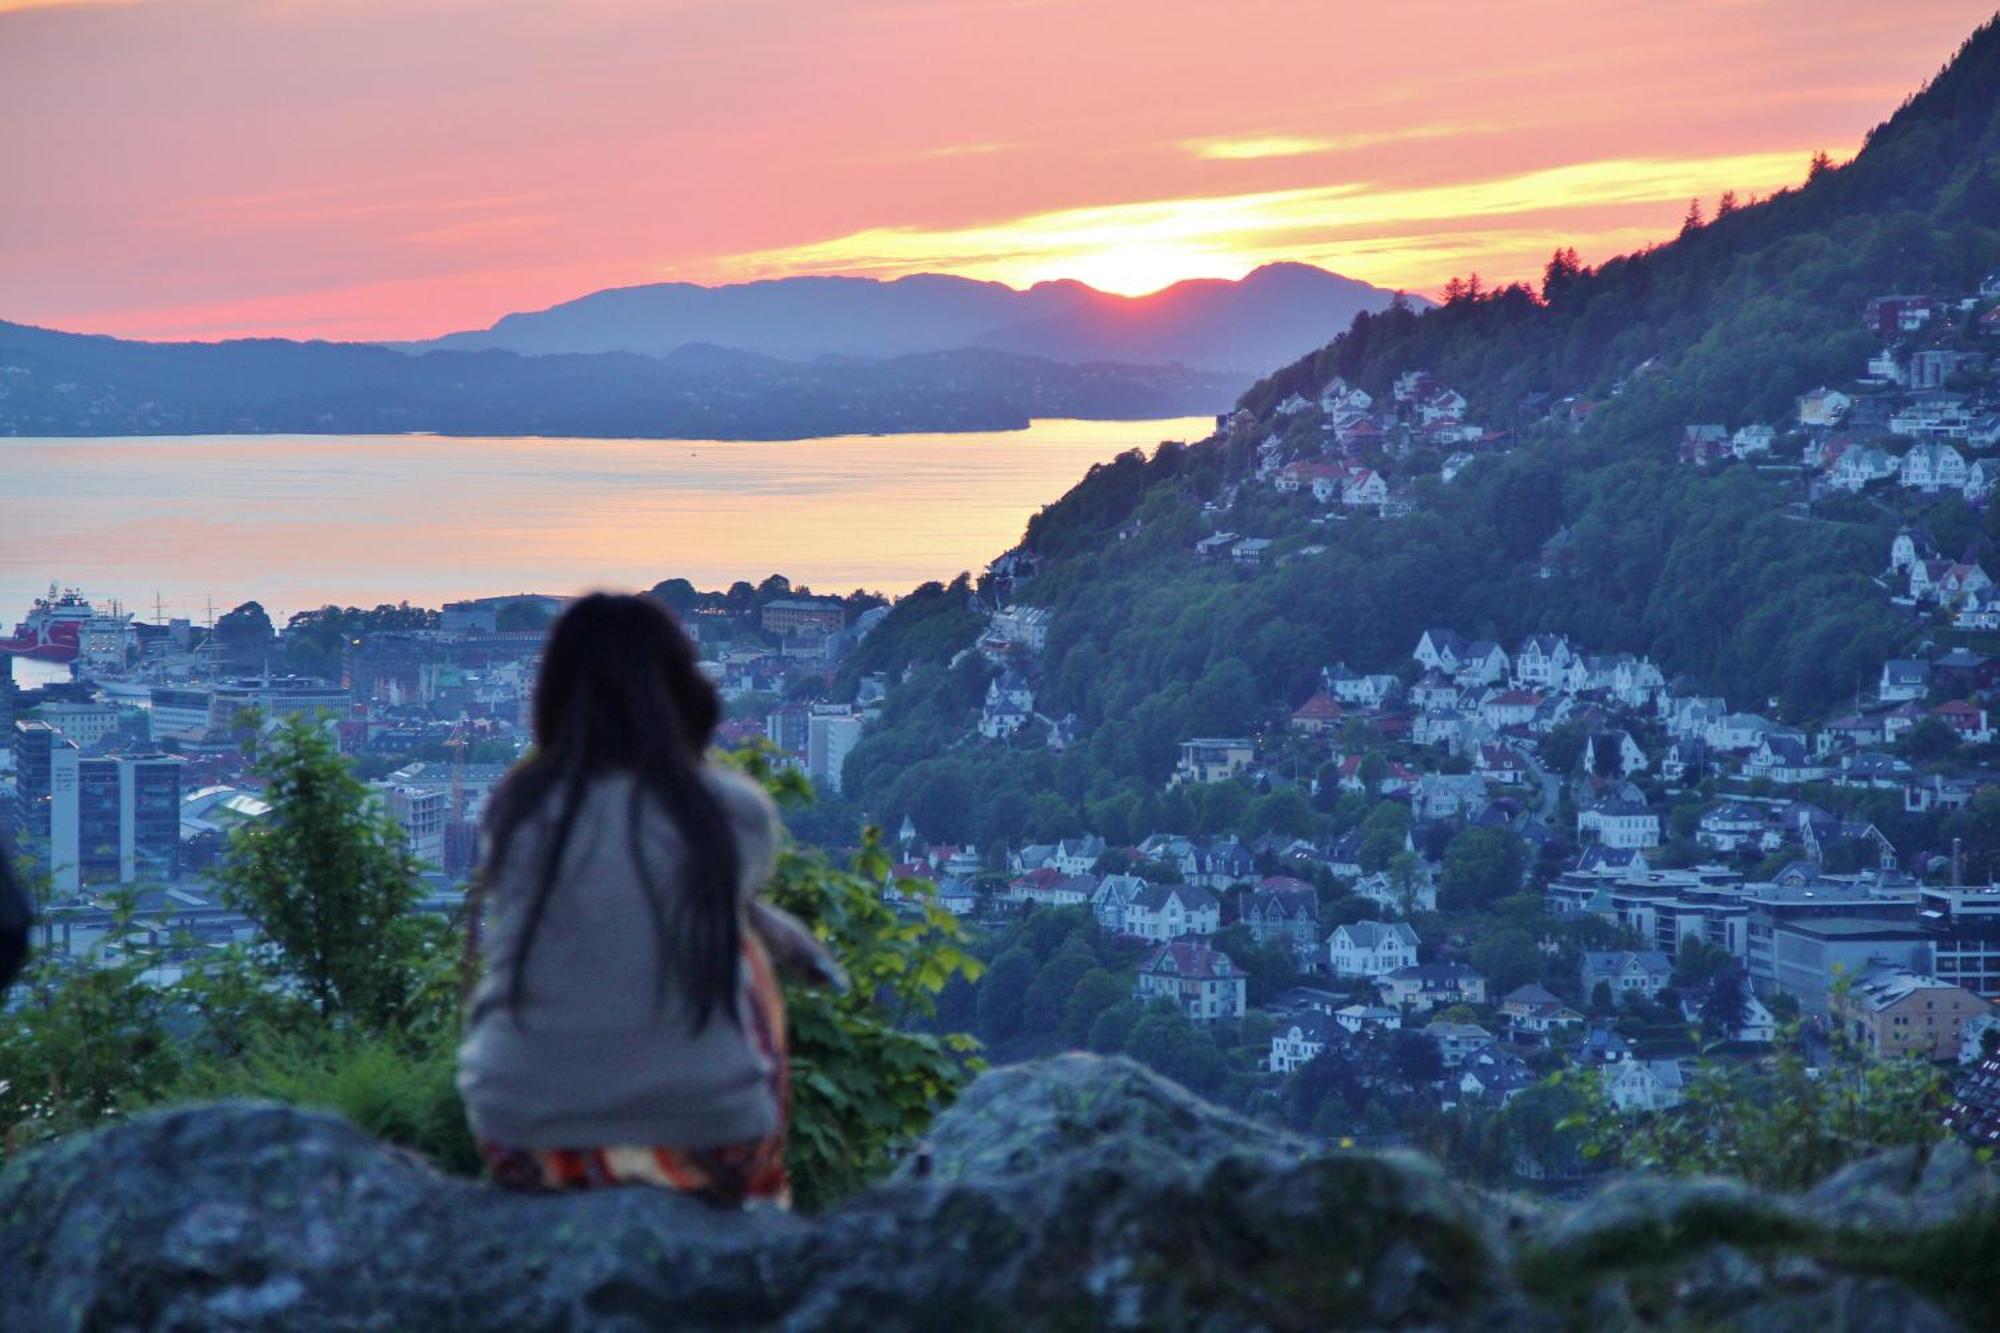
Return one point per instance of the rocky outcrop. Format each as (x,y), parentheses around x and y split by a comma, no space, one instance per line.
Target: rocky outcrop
(1071,1193)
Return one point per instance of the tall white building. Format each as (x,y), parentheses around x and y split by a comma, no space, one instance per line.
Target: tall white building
(831,733)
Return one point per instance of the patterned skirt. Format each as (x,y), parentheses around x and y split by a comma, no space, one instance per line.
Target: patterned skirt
(729,1176)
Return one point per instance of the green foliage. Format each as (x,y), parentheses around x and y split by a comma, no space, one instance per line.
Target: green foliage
(401,1087)
(326,878)
(865,1084)
(1778,1125)
(83,1043)
(1481,866)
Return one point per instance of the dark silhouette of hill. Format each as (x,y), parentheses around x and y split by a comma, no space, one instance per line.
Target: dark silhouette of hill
(54,383)
(1212,324)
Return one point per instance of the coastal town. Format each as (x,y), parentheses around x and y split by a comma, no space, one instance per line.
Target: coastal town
(1555,855)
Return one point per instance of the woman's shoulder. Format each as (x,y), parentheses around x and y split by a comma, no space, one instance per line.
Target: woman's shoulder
(742,796)
(752,813)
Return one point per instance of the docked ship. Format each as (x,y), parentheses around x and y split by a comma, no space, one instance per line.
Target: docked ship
(53,630)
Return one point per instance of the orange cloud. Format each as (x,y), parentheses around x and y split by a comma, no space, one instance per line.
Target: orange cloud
(1391,235)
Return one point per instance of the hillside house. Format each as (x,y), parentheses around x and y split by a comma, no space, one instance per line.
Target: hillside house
(1823,408)
(1458,1042)
(1362,1017)
(1418,894)
(1449,796)
(1321,715)
(1753,441)
(1684,763)
(1979,479)
(1931,468)
(1861,467)
(1534,1011)
(1644,1085)
(1542,660)
(1703,444)
(1620,824)
(1364,488)
(1435,690)
(1496,1077)
(1441,650)
(1966,719)
(1510,708)
(1784,757)
(1482,663)
(1010,702)
(1501,764)
(1909,546)
(1426,986)
(1371,948)
(1113,900)
(1213,759)
(1734,827)
(1644,973)
(1614,752)
(1282,911)
(1736,733)
(1893,1012)
(1890,316)
(1979,610)
(1162,912)
(1203,982)
(1904,678)
(1299,1041)
(1350,687)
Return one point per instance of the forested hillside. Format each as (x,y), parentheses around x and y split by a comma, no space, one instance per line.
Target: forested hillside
(1728,580)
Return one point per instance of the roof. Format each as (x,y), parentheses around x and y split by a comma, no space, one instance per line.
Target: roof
(1375,934)
(1191,960)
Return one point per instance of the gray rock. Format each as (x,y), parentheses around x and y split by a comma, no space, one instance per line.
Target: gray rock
(1072,1193)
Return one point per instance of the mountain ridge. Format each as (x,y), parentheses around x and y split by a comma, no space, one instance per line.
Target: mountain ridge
(1214,324)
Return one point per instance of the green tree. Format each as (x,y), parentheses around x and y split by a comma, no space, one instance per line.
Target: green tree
(326,878)
(1481,866)
(1003,994)
(1096,992)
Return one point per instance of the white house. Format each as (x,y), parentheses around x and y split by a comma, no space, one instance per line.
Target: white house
(1010,702)
(1371,948)
(1458,1042)
(1643,1085)
(1752,441)
(1620,824)
(1609,751)
(1163,912)
(1904,678)
(1823,407)
(1542,659)
(1296,1043)
(1644,972)
(1932,467)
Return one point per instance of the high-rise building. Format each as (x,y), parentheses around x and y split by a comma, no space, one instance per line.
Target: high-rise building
(103,819)
(830,736)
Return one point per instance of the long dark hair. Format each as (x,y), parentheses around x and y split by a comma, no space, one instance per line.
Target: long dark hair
(15,918)
(620,692)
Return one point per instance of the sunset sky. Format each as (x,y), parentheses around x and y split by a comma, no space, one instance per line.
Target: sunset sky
(402,168)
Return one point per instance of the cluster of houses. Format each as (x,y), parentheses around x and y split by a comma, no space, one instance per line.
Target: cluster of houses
(1329,457)
(1925,401)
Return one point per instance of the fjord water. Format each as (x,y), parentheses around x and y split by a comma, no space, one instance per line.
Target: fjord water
(299,521)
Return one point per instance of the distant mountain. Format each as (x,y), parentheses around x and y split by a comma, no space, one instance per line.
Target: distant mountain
(1269,316)
(1273,313)
(54,383)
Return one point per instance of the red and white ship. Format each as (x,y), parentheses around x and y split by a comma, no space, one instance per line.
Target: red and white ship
(53,631)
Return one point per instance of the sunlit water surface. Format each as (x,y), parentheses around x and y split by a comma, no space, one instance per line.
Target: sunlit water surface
(297,521)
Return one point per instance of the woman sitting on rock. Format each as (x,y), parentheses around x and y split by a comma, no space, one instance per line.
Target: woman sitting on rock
(626,1026)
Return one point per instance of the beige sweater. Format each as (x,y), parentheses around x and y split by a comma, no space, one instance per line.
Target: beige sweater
(598,1054)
